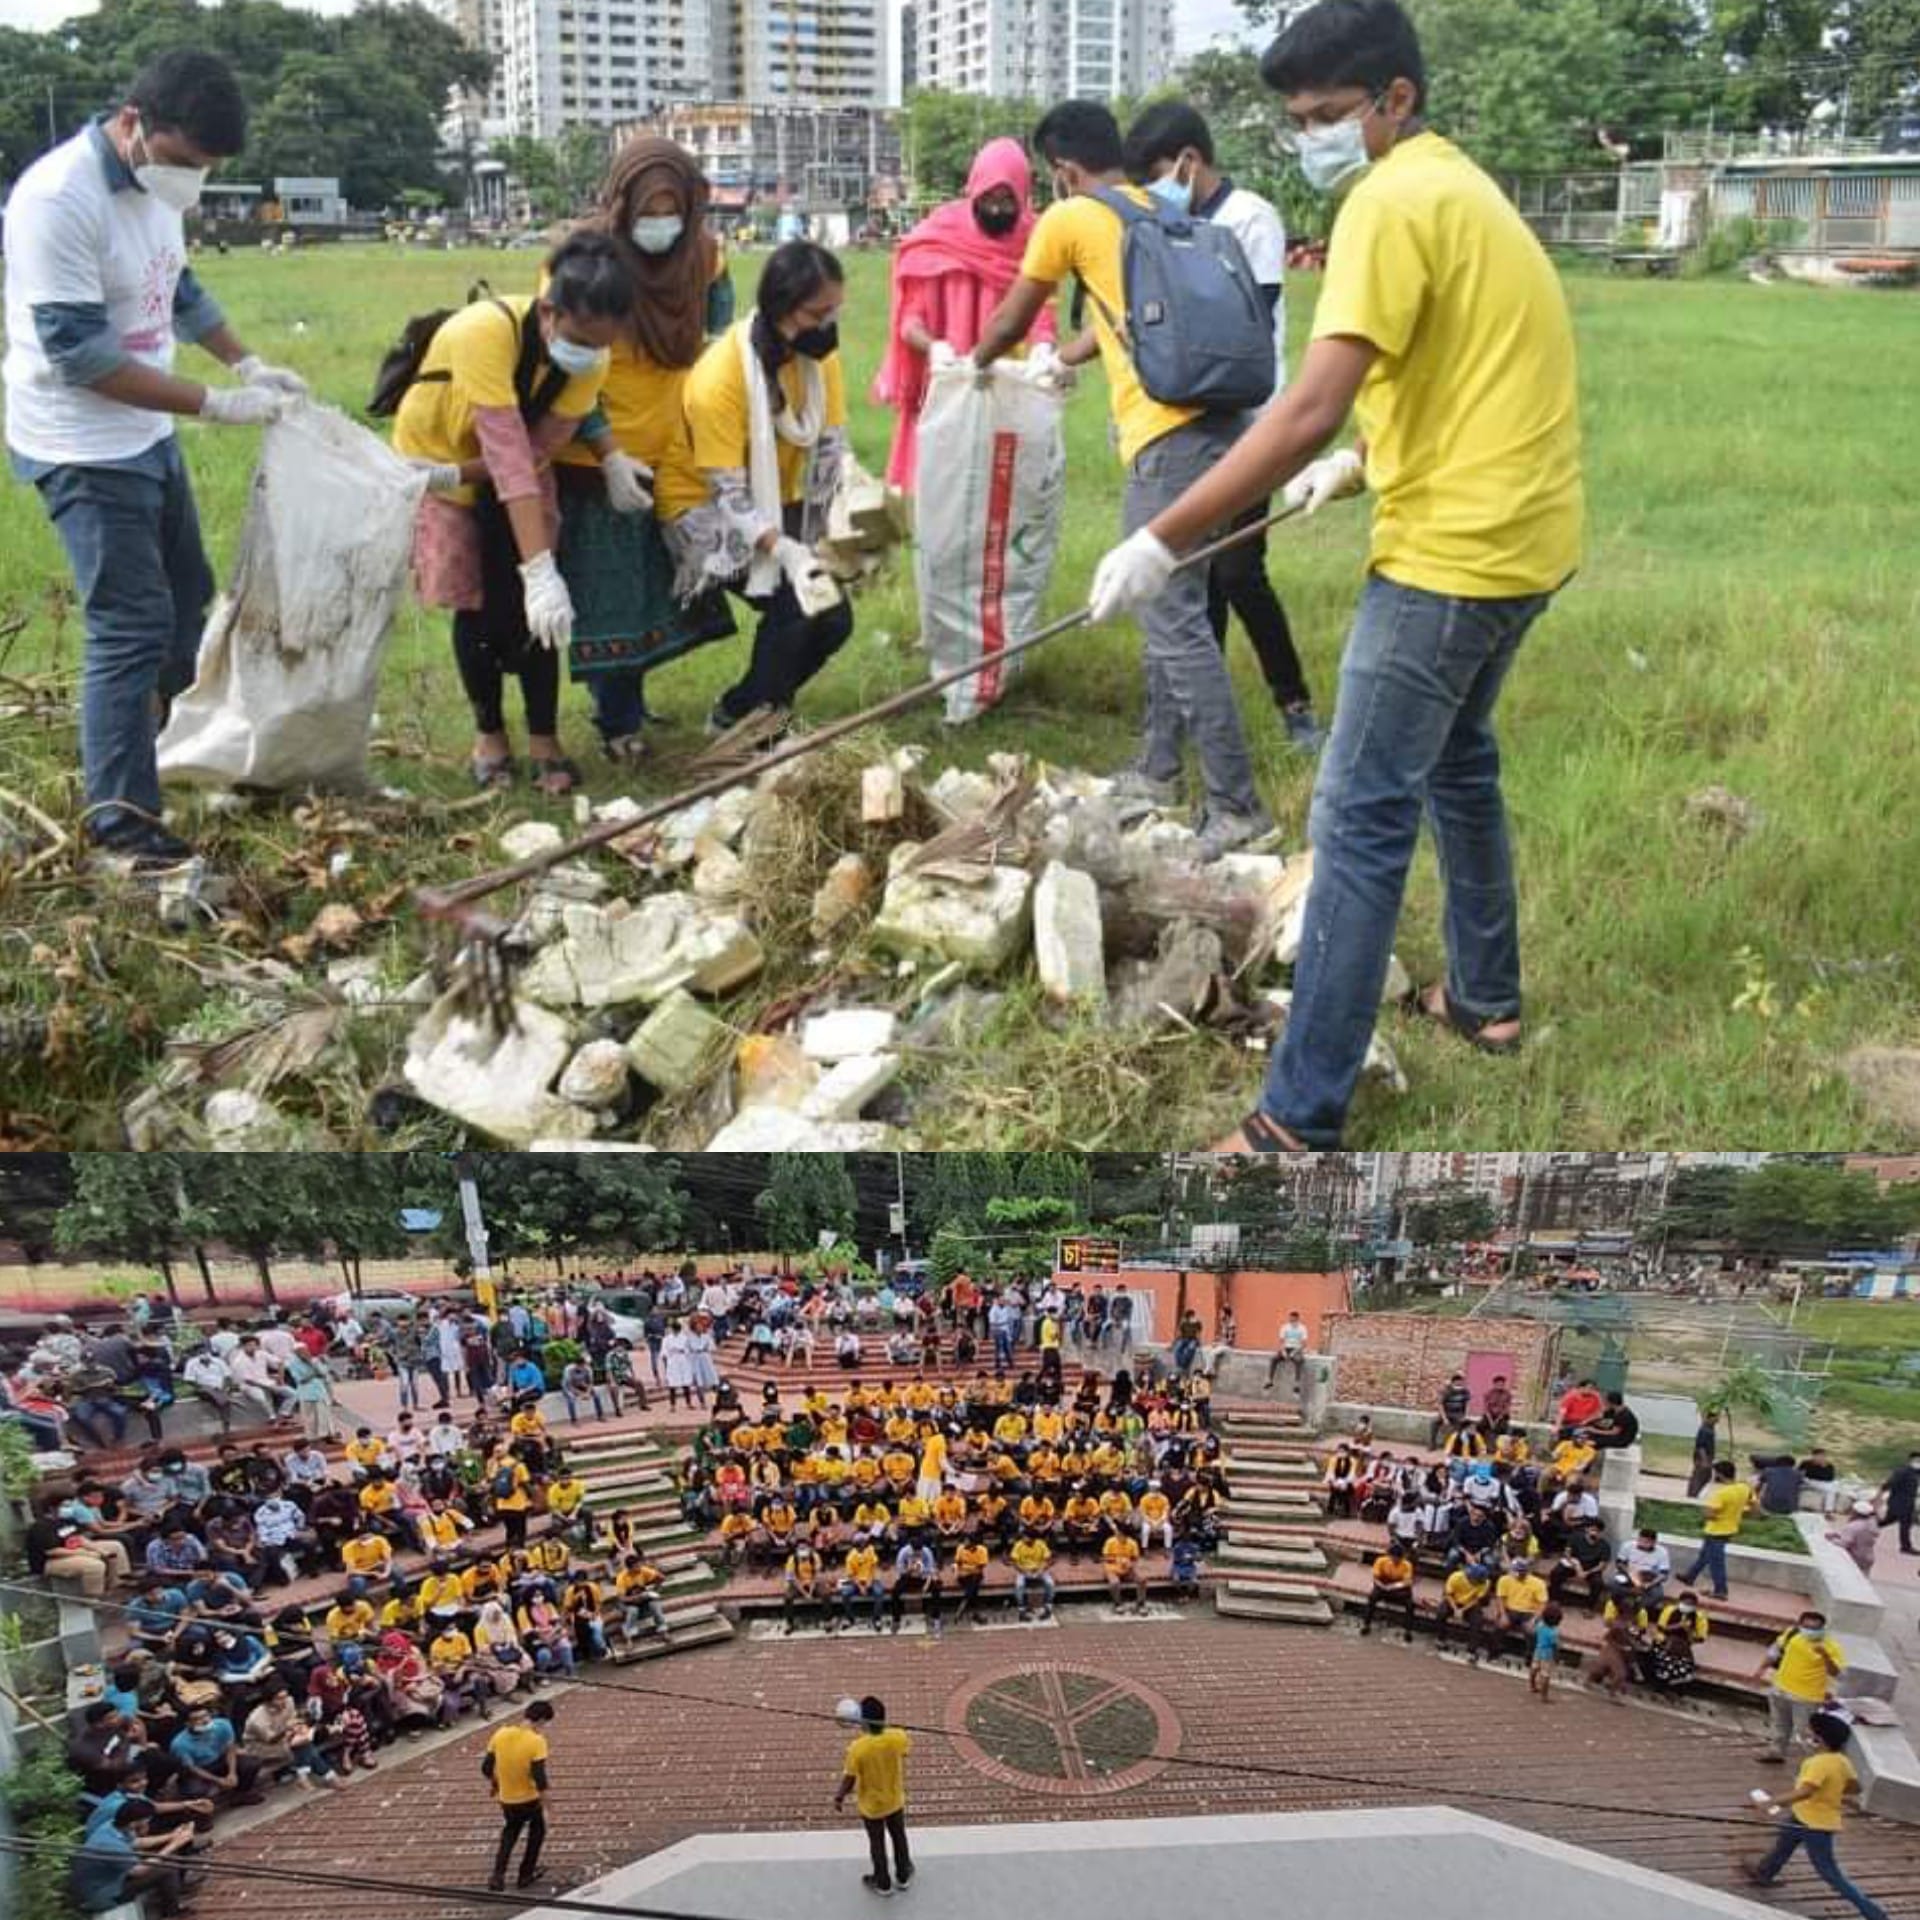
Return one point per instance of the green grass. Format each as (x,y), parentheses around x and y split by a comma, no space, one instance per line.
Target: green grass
(1752,531)
(1882,1328)
(1771,1530)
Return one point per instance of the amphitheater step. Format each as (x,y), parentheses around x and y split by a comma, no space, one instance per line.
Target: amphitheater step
(1290,1605)
(1305,1559)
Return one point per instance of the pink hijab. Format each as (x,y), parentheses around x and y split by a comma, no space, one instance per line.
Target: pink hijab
(950,276)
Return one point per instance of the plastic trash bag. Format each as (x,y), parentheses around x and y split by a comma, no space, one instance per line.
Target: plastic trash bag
(290,662)
(988,490)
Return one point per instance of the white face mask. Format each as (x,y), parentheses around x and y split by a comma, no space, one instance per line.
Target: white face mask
(657,232)
(1333,157)
(175,187)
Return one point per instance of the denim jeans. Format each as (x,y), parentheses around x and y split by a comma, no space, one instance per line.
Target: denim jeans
(619,703)
(1819,1846)
(1412,730)
(132,538)
(1189,691)
(1712,1560)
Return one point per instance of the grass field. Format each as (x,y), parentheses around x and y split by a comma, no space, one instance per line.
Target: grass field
(1745,617)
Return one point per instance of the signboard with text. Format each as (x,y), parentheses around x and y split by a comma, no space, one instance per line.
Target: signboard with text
(1081,1255)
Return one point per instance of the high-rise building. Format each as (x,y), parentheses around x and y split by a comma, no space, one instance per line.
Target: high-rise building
(1044,50)
(803,53)
(823,158)
(600,63)
(907,32)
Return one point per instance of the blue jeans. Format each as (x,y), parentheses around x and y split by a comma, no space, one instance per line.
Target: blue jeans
(1712,1560)
(1819,1846)
(133,541)
(1413,730)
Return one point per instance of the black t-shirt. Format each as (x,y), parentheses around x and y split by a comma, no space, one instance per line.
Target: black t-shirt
(1625,1425)
(1590,1550)
(45,1536)
(1822,1471)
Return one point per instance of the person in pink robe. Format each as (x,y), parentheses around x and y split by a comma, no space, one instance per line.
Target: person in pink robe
(949,273)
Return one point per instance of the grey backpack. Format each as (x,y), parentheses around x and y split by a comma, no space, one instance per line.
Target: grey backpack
(1197,328)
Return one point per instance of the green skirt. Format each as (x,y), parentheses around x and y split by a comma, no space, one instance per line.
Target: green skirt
(620,575)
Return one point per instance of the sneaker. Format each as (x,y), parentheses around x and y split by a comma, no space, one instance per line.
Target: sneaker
(873,1886)
(1305,734)
(495,1884)
(1223,832)
(143,847)
(1135,793)
(905,1880)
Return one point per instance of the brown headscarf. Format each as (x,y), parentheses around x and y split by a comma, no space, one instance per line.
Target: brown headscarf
(670,289)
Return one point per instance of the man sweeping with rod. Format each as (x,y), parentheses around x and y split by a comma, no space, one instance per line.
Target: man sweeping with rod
(1442,326)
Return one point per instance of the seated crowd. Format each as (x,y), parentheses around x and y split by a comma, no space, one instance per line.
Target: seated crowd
(892,1492)
(1515,1540)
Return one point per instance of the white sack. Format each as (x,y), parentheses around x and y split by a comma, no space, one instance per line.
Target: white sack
(988,491)
(290,661)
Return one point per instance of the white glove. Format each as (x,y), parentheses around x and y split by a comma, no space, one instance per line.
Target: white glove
(941,355)
(243,406)
(549,605)
(813,586)
(1136,571)
(1050,371)
(1332,478)
(627,482)
(256,373)
(442,476)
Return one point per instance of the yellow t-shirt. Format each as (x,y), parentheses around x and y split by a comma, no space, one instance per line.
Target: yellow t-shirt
(878,1764)
(1470,413)
(1031,1556)
(352,1622)
(518,1500)
(1463,1591)
(440,1529)
(1080,236)
(1522,1592)
(863,1566)
(478,349)
(366,1553)
(1830,1774)
(969,1559)
(933,1456)
(715,403)
(450,1650)
(516,1752)
(564,1496)
(1800,1669)
(1120,1552)
(1725,1504)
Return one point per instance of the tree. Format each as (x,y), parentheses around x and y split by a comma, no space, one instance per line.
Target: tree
(580,163)
(347,116)
(1447,1215)
(1700,1204)
(125,1206)
(536,167)
(807,1194)
(941,132)
(256,1203)
(1881,41)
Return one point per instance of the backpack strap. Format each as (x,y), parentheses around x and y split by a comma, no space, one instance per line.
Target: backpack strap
(535,392)
(1131,213)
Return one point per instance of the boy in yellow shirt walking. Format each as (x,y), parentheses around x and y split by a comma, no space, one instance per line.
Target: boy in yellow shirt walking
(875,1773)
(1815,1814)
(1442,326)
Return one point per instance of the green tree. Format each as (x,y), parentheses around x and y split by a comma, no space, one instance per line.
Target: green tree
(351,117)
(536,167)
(1881,41)
(941,132)
(125,1206)
(1699,1204)
(807,1194)
(256,1203)
(580,164)
(1448,1214)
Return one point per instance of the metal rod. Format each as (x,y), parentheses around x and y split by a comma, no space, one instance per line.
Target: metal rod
(438,903)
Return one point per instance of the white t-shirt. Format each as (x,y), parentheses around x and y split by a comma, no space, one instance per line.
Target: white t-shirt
(1262,234)
(72,241)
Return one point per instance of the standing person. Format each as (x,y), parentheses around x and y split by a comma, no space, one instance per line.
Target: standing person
(1899,1494)
(653,207)
(875,1773)
(1803,1663)
(502,385)
(1723,1506)
(1706,1448)
(1170,153)
(1815,1811)
(515,1765)
(1546,1653)
(766,410)
(98,293)
(1443,325)
(949,273)
(1165,450)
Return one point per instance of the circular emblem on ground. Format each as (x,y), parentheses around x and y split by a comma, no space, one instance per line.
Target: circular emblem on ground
(1060,1729)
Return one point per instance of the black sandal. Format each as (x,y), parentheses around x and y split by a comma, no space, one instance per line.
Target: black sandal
(1264,1135)
(541,771)
(491,775)
(1418,1001)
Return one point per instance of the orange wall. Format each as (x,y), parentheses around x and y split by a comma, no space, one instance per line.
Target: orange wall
(1260,1300)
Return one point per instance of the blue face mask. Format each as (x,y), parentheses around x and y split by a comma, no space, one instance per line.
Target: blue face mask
(1172,192)
(572,357)
(1333,157)
(657,232)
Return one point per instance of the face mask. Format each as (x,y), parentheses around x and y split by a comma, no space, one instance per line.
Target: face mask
(657,232)
(1173,192)
(572,357)
(817,342)
(1331,157)
(175,187)
(996,221)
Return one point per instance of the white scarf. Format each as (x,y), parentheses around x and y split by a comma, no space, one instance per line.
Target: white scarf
(799,428)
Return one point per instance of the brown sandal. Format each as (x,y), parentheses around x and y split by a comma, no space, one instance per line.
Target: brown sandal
(1420,1002)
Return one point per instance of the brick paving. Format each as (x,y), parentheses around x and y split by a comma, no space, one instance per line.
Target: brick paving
(690,1750)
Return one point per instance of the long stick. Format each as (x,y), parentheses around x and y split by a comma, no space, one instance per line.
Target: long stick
(439,903)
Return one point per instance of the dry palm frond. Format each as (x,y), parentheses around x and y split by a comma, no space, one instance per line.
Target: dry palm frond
(972,844)
(739,746)
(288,1044)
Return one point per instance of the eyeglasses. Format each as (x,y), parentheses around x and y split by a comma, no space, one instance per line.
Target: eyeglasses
(1288,136)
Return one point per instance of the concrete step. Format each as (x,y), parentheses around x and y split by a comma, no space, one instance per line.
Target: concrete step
(1296,1606)
(1260,1533)
(692,1628)
(1273,1500)
(1239,1447)
(1299,1559)
(636,1480)
(1261,1473)
(1279,1422)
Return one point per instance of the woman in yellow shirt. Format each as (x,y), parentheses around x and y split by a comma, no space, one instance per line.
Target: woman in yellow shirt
(766,414)
(653,207)
(502,384)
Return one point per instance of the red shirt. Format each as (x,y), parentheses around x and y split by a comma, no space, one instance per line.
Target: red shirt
(1580,1406)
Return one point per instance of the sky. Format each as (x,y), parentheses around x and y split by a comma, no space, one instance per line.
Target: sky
(1197,22)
